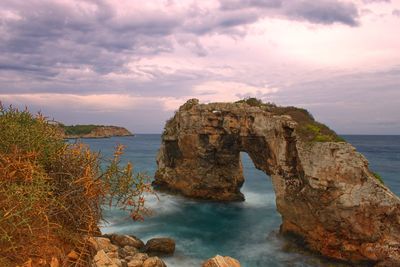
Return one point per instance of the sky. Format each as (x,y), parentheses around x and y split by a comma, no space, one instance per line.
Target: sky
(132,63)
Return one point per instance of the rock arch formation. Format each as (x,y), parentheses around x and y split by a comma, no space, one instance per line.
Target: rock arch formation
(325,192)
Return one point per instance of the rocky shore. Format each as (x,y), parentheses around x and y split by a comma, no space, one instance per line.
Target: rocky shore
(129,251)
(113,250)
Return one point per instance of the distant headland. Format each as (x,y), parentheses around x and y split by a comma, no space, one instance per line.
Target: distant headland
(92,131)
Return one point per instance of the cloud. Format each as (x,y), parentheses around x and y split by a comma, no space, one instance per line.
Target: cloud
(103,60)
(319,12)
(61,35)
(324,12)
(375,1)
(222,91)
(43,39)
(342,101)
(240,4)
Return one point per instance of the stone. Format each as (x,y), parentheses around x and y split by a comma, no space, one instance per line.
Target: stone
(128,258)
(113,254)
(117,262)
(325,192)
(135,263)
(126,240)
(140,256)
(160,246)
(154,262)
(101,259)
(137,259)
(127,251)
(102,243)
(221,261)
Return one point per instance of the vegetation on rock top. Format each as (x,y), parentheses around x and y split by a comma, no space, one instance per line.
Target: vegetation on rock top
(308,128)
(79,129)
(378,177)
(51,192)
(91,131)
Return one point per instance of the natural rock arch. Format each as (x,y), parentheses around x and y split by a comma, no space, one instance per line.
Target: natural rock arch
(325,192)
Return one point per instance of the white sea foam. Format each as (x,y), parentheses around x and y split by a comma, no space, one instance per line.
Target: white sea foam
(162,203)
(259,200)
(177,261)
(180,258)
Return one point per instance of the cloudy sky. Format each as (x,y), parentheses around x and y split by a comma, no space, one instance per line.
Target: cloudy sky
(133,62)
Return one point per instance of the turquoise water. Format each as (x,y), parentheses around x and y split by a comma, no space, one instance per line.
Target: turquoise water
(246,231)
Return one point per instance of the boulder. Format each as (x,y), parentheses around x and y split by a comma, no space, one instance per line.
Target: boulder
(101,259)
(135,263)
(102,243)
(221,261)
(160,246)
(154,262)
(140,256)
(127,251)
(137,259)
(126,240)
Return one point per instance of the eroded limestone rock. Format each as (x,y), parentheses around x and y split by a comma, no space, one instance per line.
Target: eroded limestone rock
(221,261)
(324,190)
(160,246)
(154,262)
(120,251)
(126,240)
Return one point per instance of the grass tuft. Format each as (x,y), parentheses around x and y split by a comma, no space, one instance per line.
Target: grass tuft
(378,177)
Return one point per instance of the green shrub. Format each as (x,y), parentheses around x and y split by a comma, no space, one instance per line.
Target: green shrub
(20,129)
(378,177)
(308,129)
(318,132)
(51,192)
(79,129)
(255,102)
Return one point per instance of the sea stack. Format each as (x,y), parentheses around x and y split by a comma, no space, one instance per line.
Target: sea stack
(325,192)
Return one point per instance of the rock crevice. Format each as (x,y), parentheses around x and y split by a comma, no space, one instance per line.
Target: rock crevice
(325,191)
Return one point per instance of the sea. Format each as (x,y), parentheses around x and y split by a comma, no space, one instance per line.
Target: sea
(247,231)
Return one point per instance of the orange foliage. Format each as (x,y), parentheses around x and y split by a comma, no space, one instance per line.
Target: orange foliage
(52,192)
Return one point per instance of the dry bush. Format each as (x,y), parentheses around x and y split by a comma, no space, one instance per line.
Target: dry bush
(51,192)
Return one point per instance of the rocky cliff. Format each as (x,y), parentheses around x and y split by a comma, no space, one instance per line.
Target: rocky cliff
(325,192)
(93,131)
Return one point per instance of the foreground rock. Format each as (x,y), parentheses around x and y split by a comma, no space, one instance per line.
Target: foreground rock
(220,261)
(154,262)
(325,191)
(124,251)
(126,240)
(160,246)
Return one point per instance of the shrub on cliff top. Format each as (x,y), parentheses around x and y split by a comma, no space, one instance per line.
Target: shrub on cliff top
(255,102)
(51,192)
(308,128)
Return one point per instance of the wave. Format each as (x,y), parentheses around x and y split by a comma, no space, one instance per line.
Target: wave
(259,200)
